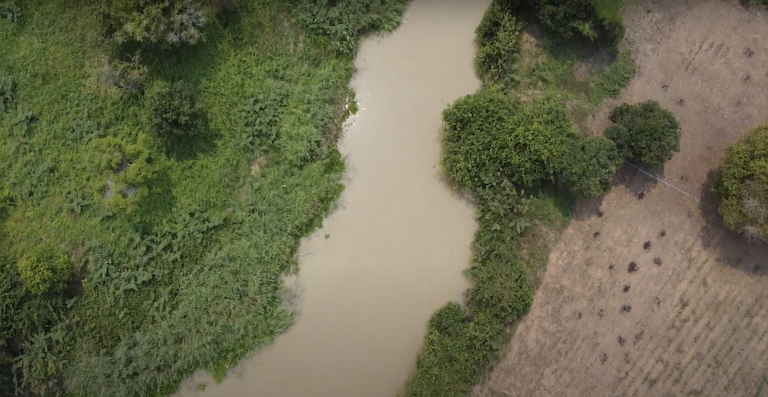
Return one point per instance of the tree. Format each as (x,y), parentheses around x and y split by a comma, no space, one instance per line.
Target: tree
(172,109)
(645,132)
(590,166)
(596,20)
(157,23)
(742,185)
(489,139)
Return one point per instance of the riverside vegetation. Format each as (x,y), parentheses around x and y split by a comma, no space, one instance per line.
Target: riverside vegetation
(159,161)
(512,147)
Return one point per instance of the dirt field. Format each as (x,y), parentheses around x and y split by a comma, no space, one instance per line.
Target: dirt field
(689,318)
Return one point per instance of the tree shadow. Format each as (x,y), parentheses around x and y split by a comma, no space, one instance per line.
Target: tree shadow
(183,147)
(732,249)
(637,179)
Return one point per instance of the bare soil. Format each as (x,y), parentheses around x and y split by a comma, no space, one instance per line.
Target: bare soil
(690,317)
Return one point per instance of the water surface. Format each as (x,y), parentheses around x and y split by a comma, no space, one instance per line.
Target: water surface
(395,249)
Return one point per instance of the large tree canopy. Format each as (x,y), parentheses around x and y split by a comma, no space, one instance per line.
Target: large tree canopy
(742,185)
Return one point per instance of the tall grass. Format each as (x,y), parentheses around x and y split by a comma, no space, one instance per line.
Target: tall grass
(188,279)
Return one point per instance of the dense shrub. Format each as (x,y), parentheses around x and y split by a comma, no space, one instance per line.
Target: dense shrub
(457,350)
(590,166)
(124,76)
(45,269)
(498,40)
(343,22)
(126,170)
(742,186)
(171,108)
(157,23)
(10,10)
(488,139)
(645,132)
(596,20)
(7,91)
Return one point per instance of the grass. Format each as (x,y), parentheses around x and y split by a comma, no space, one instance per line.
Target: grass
(189,278)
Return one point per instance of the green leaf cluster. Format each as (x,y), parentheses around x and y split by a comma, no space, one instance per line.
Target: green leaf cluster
(742,185)
(498,42)
(645,133)
(172,109)
(44,269)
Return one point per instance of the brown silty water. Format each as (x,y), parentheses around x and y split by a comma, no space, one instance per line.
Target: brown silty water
(395,249)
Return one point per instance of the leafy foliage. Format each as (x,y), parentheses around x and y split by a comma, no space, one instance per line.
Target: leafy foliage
(591,166)
(498,39)
(157,23)
(171,108)
(742,185)
(343,22)
(7,91)
(124,76)
(10,10)
(45,269)
(645,132)
(489,138)
(590,19)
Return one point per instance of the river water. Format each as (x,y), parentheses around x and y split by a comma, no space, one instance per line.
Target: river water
(395,249)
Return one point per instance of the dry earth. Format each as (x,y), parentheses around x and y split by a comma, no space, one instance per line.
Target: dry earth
(692,319)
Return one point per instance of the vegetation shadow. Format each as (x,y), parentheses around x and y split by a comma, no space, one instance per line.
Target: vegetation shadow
(637,179)
(732,248)
(184,147)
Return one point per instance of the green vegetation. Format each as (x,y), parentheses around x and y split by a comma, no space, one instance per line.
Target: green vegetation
(171,108)
(742,185)
(596,20)
(512,147)
(156,175)
(646,133)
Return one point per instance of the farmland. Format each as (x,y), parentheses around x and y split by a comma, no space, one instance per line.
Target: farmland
(688,319)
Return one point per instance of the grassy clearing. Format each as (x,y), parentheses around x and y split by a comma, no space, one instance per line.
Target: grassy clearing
(186,274)
(511,146)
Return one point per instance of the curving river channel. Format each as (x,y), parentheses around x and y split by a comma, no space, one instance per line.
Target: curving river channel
(395,249)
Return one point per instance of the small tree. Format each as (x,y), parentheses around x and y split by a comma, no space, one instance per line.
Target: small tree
(172,109)
(590,166)
(742,185)
(489,139)
(45,269)
(644,132)
(158,23)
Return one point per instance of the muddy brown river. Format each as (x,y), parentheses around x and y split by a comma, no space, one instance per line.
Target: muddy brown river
(395,249)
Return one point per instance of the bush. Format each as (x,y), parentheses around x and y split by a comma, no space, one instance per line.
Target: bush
(126,169)
(489,139)
(596,20)
(126,76)
(9,10)
(590,166)
(645,132)
(172,109)
(45,269)
(498,39)
(343,22)
(742,185)
(457,350)
(157,23)
(7,92)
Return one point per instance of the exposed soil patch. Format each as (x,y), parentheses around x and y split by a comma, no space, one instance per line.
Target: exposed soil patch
(699,323)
